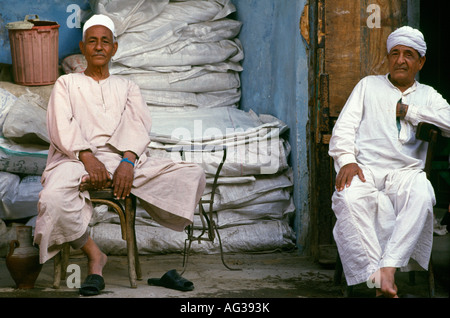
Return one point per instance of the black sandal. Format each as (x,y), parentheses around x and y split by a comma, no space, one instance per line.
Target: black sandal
(172,280)
(92,285)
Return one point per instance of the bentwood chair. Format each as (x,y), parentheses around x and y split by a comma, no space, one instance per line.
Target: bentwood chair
(126,209)
(127,213)
(426,132)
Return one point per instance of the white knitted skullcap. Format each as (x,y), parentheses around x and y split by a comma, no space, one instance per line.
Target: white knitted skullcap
(99,19)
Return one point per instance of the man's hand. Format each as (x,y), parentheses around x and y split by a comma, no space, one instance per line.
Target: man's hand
(98,175)
(346,174)
(402,109)
(124,176)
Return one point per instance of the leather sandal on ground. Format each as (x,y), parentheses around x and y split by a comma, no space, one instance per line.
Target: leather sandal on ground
(92,285)
(172,280)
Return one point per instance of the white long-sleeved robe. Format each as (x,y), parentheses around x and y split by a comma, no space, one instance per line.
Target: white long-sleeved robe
(108,117)
(387,220)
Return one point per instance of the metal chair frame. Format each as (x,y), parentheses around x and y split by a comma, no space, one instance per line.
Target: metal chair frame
(209,226)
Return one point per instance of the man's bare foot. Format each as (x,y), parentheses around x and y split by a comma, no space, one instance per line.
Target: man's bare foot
(96,258)
(95,265)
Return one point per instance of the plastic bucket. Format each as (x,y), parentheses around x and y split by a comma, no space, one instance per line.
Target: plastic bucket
(34,51)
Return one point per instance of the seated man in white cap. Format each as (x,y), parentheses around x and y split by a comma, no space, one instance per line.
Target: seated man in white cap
(99,127)
(383,201)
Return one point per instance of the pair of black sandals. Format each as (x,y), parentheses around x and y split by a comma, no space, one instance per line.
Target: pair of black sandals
(94,283)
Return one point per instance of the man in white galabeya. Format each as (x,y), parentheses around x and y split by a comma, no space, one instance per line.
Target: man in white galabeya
(383,200)
(99,127)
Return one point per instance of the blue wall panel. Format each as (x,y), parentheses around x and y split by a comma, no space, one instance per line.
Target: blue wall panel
(275,81)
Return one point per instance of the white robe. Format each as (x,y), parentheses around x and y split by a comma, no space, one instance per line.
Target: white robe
(387,220)
(108,117)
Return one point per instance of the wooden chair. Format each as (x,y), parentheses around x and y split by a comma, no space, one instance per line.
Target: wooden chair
(426,132)
(127,214)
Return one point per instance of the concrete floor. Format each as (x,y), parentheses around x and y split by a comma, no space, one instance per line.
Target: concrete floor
(272,275)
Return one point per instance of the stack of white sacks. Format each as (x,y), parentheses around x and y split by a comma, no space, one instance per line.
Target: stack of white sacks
(185,57)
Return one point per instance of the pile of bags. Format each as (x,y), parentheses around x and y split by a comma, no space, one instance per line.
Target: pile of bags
(185,57)
(182,54)
(23,150)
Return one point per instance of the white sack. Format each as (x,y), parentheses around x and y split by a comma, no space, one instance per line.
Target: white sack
(208,82)
(210,31)
(171,99)
(22,158)
(7,100)
(215,126)
(26,120)
(173,55)
(126,14)
(18,197)
(136,43)
(75,63)
(238,194)
(188,12)
(258,237)
(277,210)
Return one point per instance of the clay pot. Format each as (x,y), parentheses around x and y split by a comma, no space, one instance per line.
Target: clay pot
(22,260)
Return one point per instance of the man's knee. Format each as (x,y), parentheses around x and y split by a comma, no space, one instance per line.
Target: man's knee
(196,172)
(352,194)
(422,191)
(51,197)
(355,200)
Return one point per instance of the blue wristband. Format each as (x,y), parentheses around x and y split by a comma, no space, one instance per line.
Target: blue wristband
(127,160)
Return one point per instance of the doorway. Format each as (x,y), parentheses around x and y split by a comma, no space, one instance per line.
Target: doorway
(434,25)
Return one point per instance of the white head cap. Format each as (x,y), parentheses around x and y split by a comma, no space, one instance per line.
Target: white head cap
(407,36)
(99,19)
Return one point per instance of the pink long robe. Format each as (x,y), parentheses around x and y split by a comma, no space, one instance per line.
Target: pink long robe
(109,117)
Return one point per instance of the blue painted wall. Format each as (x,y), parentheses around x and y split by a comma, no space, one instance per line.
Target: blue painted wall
(274,80)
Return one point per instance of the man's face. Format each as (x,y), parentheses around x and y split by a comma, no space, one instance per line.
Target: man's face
(98,46)
(404,63)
